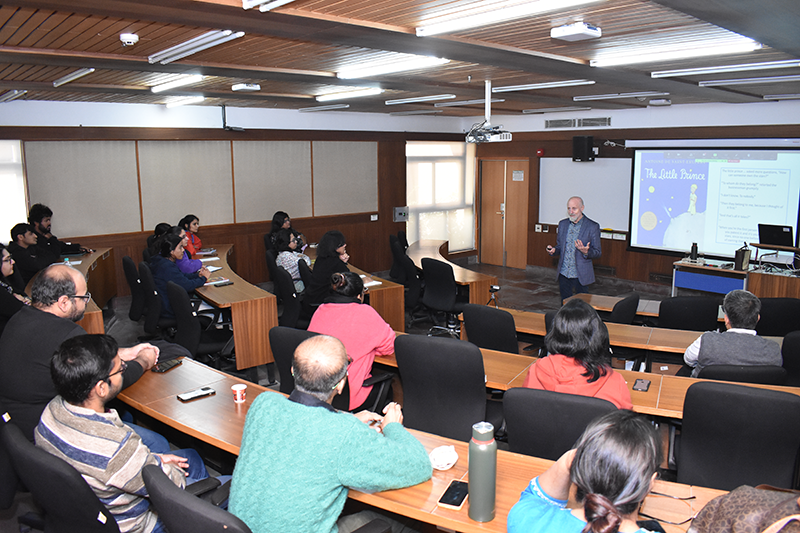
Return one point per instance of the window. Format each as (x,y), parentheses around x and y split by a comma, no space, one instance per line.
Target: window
(13,209)
(440,191)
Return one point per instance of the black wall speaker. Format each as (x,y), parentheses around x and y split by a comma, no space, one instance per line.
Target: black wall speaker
(582,148)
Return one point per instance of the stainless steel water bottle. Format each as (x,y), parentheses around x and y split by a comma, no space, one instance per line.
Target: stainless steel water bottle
(482,472)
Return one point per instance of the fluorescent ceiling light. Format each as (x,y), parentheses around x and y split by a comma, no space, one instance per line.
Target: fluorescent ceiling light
(644,94)
(185,101)
(349,94)
(11,95)
(401,65)
(766,97)
(555,109)
(274,4)
(748,81)
(546,85)
(72,77)
(192,46)
(651,56)
(188,80)
(323,108)
(468,102)
(246,87)
(417,112)
(767,65)
(421,99)
(498,15)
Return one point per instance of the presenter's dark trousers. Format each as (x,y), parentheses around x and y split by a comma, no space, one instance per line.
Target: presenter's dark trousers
(569,286)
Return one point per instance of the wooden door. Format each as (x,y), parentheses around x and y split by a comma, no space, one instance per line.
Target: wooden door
(504,213)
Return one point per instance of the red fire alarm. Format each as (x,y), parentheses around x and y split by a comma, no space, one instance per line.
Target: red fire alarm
(540,152)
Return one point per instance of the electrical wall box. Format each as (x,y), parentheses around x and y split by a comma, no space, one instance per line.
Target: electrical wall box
(400,214)
(373,218)
(538,228)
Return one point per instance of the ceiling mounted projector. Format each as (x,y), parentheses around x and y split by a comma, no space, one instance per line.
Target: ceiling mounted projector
(578,31)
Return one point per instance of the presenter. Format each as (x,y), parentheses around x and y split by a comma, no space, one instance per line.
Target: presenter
(577,243)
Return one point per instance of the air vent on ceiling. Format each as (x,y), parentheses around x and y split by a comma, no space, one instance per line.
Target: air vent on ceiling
(560,123)
(593,122)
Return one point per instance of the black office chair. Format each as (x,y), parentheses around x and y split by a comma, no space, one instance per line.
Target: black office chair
(381,383)
(401,237)
(414,309)
(791,358)
(779,316)
(137,294)
(548,325)
(69,504)
(181,511)
(146,255)
(272,267)
(397,272)
(491,328)
(441,294)
(292,305)
(305,273)
(736,435)
(154,323)
(763,374)
(196,334)
(695,313)
(9,481)
(444,386)
(284,341)
(624,311)
(546,424)
(268,245)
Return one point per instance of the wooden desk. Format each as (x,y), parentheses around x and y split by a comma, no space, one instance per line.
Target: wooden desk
(478,283)
(602,302)
(254,311)
(218,421)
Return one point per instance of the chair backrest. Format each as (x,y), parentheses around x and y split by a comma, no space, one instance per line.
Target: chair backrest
(766,375)
(412,283)
(738,435)
(397,271)
(305,272)
(188,326)
(183,512)
(440,285)
(545,423)
(401,237)
(137,294)
(291,304)
(146,255)
(8,476)
(268,242)
(488,327)
(779,316)
(69,503)
(791,358)
(695,313)
(624,311)
(152,300)
(548,320)
(284,341)
(444,384)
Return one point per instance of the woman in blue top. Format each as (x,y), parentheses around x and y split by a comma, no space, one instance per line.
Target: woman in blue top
(612,467)
(165,270)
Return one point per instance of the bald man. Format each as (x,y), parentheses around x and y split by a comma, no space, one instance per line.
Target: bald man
(577,243)
(299,456)
(58,299)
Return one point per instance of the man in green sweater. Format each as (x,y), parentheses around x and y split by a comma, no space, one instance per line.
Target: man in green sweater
(299,456)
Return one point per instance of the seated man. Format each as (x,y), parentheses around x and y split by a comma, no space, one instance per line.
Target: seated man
(76,427)
(40,217)
(299,456)
(739,345)
(28,258)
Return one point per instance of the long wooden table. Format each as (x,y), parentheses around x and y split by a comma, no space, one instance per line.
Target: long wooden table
(218,421)
(254,311)
(478,283)
(647,308)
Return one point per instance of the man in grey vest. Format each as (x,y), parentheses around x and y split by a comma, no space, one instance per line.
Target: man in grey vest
(739,345)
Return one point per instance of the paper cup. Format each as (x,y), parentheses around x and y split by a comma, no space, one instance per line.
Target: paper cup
(239,392)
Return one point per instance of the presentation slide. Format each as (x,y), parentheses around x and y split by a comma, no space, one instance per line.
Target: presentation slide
(713,197)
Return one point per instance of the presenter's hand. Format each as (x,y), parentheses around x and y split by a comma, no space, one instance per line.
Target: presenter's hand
(550,250)
(584,249)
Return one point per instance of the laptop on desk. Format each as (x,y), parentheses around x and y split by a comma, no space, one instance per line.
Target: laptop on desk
(777,235)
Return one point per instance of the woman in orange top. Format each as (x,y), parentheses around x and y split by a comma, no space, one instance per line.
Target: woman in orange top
(581,359)
(191,224)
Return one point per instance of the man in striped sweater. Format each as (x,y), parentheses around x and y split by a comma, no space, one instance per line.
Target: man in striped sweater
(76,427)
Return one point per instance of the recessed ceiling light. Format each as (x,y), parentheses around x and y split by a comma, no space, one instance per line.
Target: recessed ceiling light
(349,94)
(367,70)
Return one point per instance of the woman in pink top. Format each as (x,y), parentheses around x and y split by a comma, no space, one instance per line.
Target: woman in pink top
(360,328)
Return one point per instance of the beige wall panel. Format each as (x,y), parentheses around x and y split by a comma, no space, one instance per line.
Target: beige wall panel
(345,177)
(272,176)
(181,177)
(91,186)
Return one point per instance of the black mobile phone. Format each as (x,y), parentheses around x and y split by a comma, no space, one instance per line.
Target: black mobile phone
(197,393)
(166,365)
(641,385)
(455,495)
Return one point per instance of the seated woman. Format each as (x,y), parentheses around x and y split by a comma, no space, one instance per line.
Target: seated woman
(11,297)
(154,240)
(331,258)
(360,328)
(581,360)
(165,270)
(186,264)
(191,224)
(288,256)
(281,220)
(613,468)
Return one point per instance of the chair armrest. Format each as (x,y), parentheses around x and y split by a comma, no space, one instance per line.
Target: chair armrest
(376,526)
(204,485)
(377,378)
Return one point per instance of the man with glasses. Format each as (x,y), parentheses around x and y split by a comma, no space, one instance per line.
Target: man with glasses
(58,299)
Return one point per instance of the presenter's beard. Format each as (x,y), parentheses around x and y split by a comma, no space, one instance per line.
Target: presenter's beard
(572,218)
